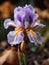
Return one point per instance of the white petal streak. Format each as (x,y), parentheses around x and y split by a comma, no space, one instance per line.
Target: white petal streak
(18,39)
(37,23)
(18,23)
(26,24)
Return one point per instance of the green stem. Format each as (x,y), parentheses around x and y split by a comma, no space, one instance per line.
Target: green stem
(24,59)
(19,57)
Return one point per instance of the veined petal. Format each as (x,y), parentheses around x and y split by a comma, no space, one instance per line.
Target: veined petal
(11,36)
(35,37)
(35,16)
(31,38)
(18,38)
(14,39)
(40,39)
(38,24)
(9,22)
(19,15)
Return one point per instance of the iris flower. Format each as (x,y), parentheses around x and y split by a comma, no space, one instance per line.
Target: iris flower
(24,22)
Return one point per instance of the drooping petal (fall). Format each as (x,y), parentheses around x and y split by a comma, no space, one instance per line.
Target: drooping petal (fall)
(40,39)
(14,39)
(18,38)
(31,38)
(38,24)
(9,22)
(11,36)
(35,37)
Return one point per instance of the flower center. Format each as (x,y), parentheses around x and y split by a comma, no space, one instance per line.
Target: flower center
(17,30)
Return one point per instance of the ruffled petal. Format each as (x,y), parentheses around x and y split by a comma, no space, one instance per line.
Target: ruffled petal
(9,22)
(19,15)
(30,8)
(29,11)
(17,9)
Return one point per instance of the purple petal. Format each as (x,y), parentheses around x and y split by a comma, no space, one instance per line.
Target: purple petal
(31,13)
(31,38)
(17,9)
(38,24)
(18,24)
(26,24)
(40,39)
(28,11)
(35,39)
(11,36)
(14,39)
(30,8)
(35,16)
(19,38)
(24,14)
(19,15)
(9,22)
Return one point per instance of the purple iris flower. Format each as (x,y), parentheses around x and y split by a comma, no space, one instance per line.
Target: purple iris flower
(24,20)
